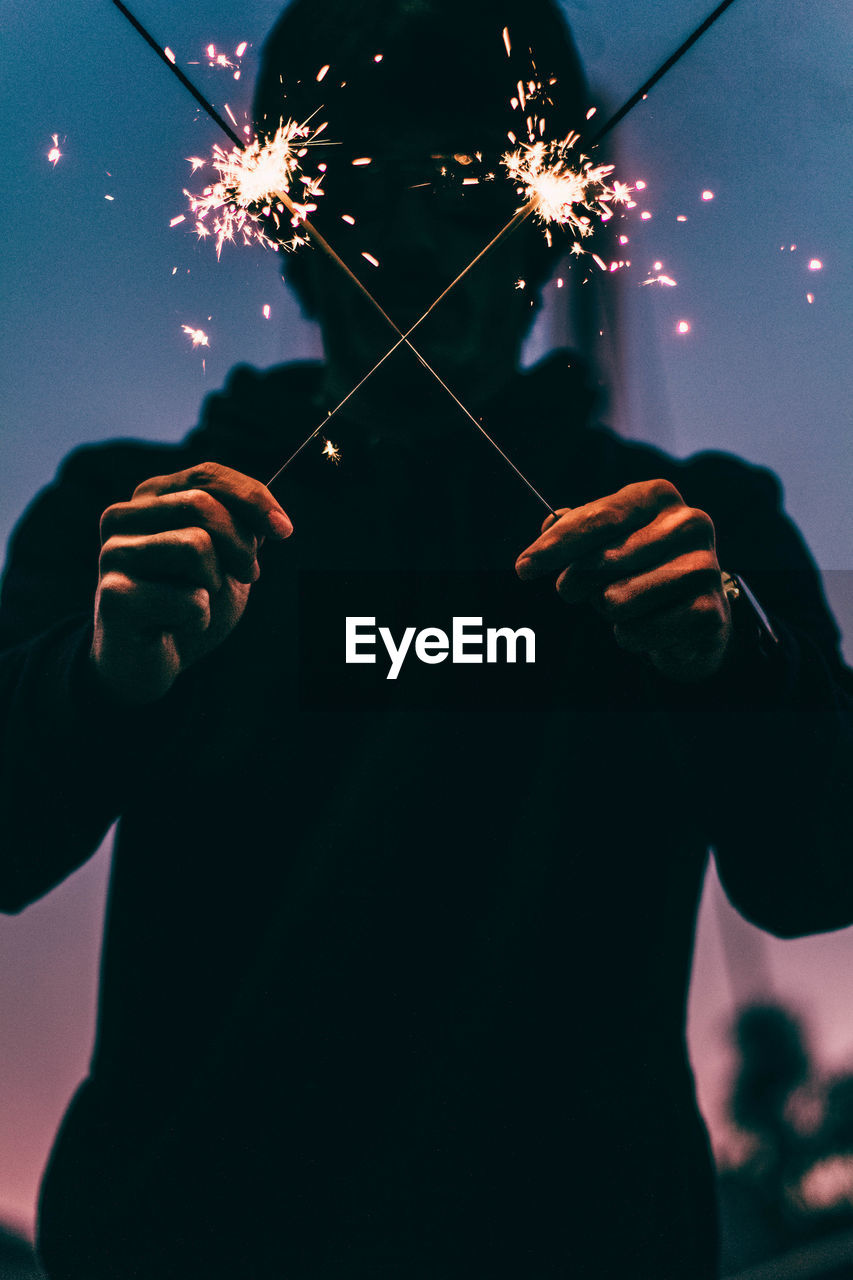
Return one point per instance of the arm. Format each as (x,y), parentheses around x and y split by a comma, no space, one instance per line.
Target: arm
(763,743)
(90,654)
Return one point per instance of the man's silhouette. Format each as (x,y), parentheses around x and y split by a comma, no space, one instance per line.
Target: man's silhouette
(395,970)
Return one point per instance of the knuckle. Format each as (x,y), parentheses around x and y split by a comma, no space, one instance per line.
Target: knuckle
(664,491)
(204,473)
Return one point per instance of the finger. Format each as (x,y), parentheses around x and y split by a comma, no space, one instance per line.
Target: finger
(552,517)
(184,556)
(676,531)
(193,508)
(249,500)
(596,524)
(687,577)
(697,625)
(148,608)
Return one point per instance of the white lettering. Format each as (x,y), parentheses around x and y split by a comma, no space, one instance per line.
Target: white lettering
(460,639)
(353,639)
(431,645)
(511,638)
(396,655)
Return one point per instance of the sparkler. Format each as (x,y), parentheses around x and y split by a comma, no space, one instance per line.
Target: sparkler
(525,212)
(311,232)
(521,216)
(251,185)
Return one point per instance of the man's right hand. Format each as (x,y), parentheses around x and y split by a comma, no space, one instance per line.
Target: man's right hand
(177,564)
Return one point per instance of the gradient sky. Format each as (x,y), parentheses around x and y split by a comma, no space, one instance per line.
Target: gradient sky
(95,293)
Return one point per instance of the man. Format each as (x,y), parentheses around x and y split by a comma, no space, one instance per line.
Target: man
(395,969)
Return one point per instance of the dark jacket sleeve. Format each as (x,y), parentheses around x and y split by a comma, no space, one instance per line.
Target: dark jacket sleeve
(769,740)
(66,755)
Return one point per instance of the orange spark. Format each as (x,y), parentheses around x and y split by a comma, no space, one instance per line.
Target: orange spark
(198,336)
(54,155)
(331,451)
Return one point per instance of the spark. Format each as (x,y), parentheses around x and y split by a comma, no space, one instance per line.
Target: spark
(347,217)
(250,183)
(54,155)
(241,48)
(169,55)
(506,40)
(374,262)
(563,192)
(623,239)
(331,451)
(196,162)
(233,117)
(681,217)
(180,218)
(646,216)
(109,197)
(707,195)
(640,184)
(362,160)
(559,282)
(266,311)
(322,73)
(591,112)
(377,57)
(520,284)
(809,297)
(815,265)
(666,280)
(682,327)
(199,337)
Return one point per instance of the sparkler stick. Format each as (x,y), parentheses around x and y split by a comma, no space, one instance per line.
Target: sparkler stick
(323,244)
(518,218)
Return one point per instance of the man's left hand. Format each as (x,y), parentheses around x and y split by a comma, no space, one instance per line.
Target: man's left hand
(647,562)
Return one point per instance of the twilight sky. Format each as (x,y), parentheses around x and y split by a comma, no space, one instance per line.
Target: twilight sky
(96,290)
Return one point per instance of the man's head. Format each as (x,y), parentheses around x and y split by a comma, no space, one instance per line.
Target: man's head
(422,89)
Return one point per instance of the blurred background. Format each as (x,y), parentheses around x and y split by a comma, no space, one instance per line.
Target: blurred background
(746,188)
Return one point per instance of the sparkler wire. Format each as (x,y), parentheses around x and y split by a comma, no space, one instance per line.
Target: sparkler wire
(176,70)
(661,71)
(518,218)
(323,244)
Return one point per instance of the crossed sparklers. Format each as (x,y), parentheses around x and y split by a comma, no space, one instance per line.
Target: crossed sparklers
(551,186)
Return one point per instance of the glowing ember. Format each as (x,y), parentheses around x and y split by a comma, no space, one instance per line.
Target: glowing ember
(815,265)
(199,337)
(54,155)
(591,112)
(180,218)
(374,262)
(563,193)
(682,327)
(640,184)
(363,160)
(347,217)
(322,72)
(241,49)
(623,239)
(266,311)
(645,215)
(377,57)
(681,218)
(809,297)
(707,195)
(331,451)
(506,40)
(251,182)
